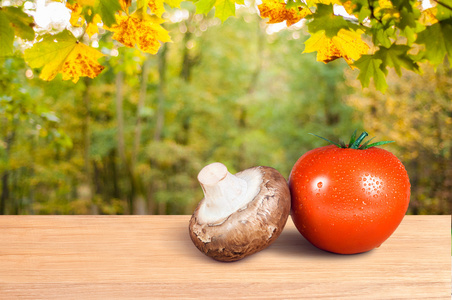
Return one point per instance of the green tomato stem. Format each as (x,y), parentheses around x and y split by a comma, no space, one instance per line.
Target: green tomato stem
(359,140)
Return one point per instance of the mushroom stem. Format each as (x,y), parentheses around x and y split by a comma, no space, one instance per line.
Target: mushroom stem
(224,193)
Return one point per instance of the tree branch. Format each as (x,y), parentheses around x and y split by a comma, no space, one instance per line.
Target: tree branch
(443,4)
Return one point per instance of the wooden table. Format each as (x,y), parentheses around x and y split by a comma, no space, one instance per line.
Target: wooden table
(147,257)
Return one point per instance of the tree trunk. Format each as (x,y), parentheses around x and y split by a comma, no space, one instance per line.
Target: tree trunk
(140,106)
(5,192)
(189,60)
(120,116)
(161,93)
(138,199)
(5,195)
(121,139)
(87,187)
(160,120)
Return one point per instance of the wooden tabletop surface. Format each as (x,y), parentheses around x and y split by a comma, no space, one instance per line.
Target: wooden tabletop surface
(149,257)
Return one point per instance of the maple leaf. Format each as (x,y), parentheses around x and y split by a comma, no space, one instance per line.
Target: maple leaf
(6,36)
(223,8)
(278,12)
(396,56)
(346,44)
(125,4)
(106,9)
(76,11)
(63,53)
(13,21)
(370,67)
(140,30)
(428,16)
(204,6)
(87,2)
(437,41)
(78,19)
(173,3)
(21,22)
(156,7)
(325,20)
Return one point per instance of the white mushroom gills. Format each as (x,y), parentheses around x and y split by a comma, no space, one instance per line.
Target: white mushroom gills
(225,193)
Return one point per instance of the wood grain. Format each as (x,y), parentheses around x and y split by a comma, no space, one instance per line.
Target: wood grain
(148,257)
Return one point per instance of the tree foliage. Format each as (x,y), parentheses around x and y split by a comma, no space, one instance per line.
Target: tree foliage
(371,35)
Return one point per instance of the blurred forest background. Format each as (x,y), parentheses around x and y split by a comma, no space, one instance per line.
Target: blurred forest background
(133,140)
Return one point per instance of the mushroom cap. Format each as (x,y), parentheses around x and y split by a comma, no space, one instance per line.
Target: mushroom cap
(250,228)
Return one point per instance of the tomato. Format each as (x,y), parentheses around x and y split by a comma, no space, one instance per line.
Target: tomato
(348,200)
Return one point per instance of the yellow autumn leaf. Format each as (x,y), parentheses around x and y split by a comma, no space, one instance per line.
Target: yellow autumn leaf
(387,9)
(77,20)
(349,6)
(67,56)
(144,32)
(76,10)
(328,2)
(277,12)
(156,7)
(125,4)
(428,16)
(346,44)
(81,61)
(92,27)
(87,2)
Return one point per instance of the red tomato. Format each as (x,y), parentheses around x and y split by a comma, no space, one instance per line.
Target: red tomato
(348,200)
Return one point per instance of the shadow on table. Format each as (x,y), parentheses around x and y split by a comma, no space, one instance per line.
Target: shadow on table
(292,243)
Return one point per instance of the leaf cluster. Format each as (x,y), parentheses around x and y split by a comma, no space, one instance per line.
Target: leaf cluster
(72,56)
(372,36)
(375,35)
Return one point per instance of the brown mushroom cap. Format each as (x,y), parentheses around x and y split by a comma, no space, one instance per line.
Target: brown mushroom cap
(249,229)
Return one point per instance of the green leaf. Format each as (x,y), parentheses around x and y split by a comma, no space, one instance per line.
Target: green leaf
(437,41)
(224,9)
(369,67)
(364,146)
(331,142)
(324,19)
(396,56)
(378,144)
(106,9)
(52,46)
(6,36)
(295,4)
(22,23)
(353,138)
(382,34)
(204,6)
(408,18)
(443,12)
